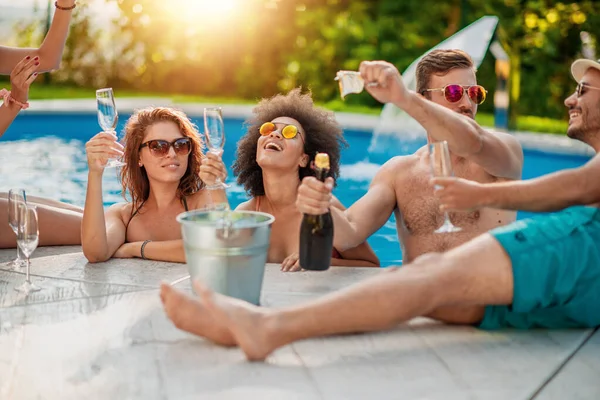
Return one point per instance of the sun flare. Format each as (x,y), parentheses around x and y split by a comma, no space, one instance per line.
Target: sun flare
(209,8)
(199,14)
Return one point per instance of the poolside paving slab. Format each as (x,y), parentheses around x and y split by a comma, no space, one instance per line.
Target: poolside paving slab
(580,377)
(98,331)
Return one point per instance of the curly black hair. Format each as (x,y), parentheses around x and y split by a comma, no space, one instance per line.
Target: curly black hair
(322,134)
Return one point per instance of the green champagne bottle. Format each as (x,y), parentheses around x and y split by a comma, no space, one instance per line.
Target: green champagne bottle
(316,231)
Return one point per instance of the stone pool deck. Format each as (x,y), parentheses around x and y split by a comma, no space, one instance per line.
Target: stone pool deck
(99,332)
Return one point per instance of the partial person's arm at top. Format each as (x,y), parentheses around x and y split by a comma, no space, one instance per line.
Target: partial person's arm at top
(556,191)
(498,154)
(354,225)
(50,52)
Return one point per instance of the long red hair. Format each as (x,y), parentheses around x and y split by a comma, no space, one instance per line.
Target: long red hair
(133,177)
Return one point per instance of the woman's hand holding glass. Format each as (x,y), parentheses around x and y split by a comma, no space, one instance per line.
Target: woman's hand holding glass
(213,169)
(100,149)
(214,132)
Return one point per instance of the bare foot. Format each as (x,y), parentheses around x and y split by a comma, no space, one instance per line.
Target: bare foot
(190,315)
(246,322)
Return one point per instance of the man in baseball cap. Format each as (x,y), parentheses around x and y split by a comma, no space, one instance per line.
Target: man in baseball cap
(584,104)
(579,67)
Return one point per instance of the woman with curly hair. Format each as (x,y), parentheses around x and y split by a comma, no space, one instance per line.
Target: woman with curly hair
(165,174)
(274,156)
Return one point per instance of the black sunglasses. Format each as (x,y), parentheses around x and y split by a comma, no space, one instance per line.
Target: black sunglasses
(160,148)
(582,87)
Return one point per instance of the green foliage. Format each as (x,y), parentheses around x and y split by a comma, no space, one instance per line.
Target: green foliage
(544,36)
(539,124)
(528,123)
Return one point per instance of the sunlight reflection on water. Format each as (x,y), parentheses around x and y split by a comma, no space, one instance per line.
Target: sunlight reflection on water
(51,167)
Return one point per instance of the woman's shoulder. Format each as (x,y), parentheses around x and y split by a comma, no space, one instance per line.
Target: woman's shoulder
(249,205)
(122,210)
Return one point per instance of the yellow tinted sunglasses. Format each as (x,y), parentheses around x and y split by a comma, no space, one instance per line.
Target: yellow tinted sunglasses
(288,131)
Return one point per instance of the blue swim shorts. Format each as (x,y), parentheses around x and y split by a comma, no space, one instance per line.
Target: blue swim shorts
(556,270)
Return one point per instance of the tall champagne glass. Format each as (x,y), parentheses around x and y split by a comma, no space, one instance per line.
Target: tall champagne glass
(16,198)
(214,132)
(28,237)
(108,118)
(441,166)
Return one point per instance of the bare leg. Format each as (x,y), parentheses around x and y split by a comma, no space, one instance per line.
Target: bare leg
(37,201)
(474,274)
(188,314)
(57,226)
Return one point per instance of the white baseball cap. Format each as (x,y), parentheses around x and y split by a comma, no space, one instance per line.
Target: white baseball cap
(579,67)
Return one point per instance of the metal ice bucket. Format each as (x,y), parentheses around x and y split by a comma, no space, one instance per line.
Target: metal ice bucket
(227,250)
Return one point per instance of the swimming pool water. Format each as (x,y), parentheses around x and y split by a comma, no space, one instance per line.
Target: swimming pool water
(45,155)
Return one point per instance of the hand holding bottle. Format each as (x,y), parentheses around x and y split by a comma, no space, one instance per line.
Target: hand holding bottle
(314,196)
(316,230)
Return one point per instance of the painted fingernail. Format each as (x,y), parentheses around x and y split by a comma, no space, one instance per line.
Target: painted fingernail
(28,57)
(35,74)
(36,58)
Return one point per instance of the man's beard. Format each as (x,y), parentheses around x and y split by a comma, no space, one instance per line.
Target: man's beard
(576,133)
(589,126)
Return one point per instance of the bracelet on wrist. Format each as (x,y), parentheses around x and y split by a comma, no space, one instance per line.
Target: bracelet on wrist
(8,99)
(142,249)
(64,8)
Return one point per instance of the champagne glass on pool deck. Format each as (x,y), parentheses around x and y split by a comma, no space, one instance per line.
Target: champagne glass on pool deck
(16,198)
(441,166)
(28,237)
(108,118)
(214,131)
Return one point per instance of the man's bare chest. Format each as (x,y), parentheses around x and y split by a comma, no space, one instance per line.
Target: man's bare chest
(419,208)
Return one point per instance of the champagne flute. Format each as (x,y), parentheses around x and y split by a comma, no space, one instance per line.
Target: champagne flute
(28,239)
(16,198)
(214,131)
(441,166)
(108,118)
